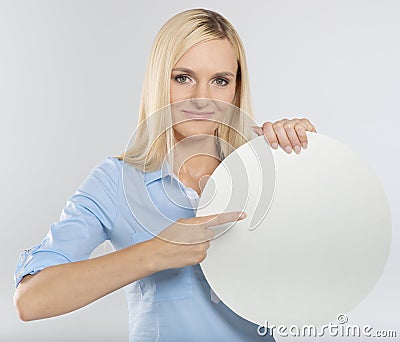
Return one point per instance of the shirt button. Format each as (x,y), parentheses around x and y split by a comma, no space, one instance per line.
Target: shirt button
(214,297)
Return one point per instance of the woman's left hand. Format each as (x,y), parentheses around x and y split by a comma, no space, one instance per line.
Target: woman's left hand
(290,134)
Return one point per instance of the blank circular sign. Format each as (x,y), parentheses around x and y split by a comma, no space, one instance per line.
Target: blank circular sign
(316,238)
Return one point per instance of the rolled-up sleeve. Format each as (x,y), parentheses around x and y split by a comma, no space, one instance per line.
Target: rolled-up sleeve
(86,221)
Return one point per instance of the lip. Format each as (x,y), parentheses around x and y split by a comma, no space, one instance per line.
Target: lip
(198,115)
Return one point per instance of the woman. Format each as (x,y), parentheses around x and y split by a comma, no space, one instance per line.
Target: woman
(197,57)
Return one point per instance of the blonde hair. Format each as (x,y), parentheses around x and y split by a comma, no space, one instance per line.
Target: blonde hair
(154,137)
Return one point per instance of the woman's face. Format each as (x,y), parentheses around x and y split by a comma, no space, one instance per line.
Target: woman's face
(205,74)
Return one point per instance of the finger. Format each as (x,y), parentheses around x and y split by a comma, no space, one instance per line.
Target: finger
(257,130)
(270,134)
(218,219)
(292,135)
(283,138)
(205,236)
(282,121)
(209,235)
(301,134)
(308,126)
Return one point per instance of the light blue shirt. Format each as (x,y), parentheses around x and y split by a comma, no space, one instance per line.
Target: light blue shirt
(171,305)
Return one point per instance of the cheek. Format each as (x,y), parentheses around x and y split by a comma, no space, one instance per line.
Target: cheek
(178,93)
(226,95)
(223,94)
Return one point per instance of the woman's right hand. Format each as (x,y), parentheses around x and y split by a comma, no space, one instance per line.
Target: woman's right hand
(185,242)
(67,287)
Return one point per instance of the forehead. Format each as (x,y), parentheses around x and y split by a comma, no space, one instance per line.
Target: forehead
(215,55)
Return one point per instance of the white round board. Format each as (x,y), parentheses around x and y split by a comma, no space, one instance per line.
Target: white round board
(316,238)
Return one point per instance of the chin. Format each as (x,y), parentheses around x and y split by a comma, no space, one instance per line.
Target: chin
(195,130)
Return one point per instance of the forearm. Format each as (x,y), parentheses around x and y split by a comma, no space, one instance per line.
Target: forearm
(60,289)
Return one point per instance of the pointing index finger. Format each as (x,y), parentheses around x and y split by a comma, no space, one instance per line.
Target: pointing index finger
(218,219)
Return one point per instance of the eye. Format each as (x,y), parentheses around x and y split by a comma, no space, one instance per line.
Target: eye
(181,78)
(220,82)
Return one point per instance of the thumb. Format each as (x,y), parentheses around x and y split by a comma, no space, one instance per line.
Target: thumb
(257,130)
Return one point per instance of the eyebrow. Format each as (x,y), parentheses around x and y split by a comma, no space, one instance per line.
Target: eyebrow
(218,74)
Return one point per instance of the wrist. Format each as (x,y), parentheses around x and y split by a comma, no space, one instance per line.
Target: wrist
(153,258)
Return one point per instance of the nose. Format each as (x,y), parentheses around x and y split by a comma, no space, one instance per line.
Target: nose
(200,96)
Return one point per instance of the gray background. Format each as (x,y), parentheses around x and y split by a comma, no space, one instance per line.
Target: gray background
(70,79)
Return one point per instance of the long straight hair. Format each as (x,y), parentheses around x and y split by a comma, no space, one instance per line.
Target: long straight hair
(154,138)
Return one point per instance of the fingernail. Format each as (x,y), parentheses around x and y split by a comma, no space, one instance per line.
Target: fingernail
(288,149)
(274,146)
(304,145)
(243,215)
(297,149)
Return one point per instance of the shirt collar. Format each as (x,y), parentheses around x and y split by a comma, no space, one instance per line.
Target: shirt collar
(158,174)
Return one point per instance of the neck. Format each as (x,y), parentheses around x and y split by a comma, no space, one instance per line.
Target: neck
(195,157)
